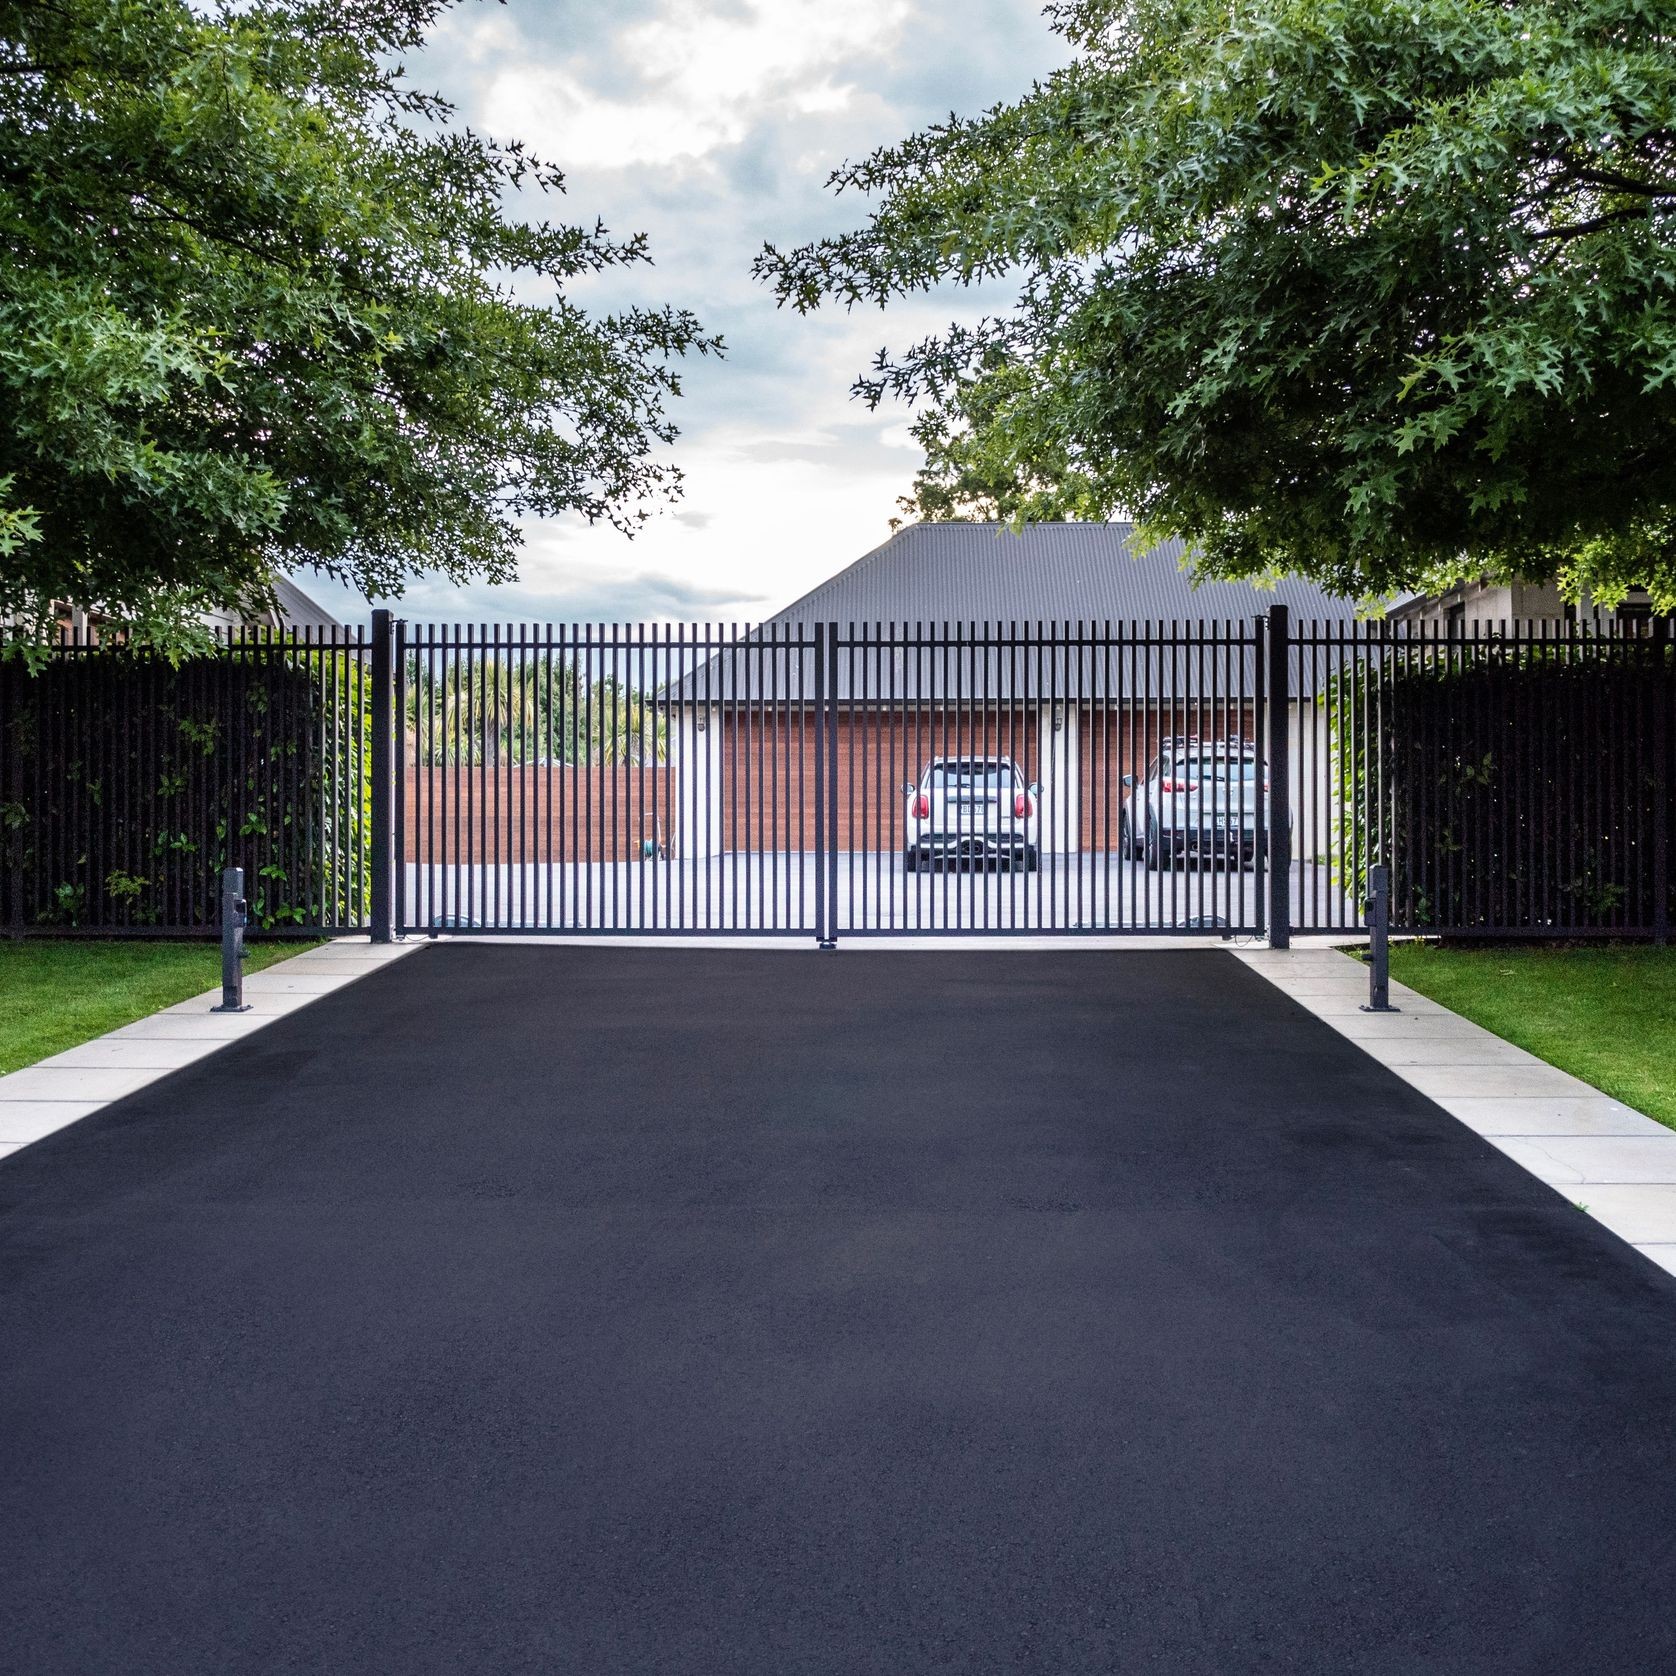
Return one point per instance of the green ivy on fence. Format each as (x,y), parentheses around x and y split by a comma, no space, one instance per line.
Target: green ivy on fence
(1507,784)
(128,784)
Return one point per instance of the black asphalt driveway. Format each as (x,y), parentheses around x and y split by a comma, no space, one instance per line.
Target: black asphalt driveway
(603,1310)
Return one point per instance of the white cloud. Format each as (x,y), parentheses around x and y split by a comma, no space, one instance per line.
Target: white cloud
(712,127)
(702,79)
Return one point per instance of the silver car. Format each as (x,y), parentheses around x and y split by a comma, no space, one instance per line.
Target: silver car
(977,810)
(1198,801)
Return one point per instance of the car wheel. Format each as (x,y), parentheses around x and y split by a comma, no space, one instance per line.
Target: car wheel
(1031,860)
(1153,854)
(1125,838)
(910,860)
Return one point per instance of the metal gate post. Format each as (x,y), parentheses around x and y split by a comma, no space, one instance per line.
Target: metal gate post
(1280,801)
(383,728)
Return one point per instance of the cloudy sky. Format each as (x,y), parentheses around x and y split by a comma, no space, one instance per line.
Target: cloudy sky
(711,125)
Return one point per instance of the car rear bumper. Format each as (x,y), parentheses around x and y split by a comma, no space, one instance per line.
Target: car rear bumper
(1215,841)
(970,846)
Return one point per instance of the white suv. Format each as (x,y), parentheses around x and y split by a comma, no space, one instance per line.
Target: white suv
(1199,799)
(971,809)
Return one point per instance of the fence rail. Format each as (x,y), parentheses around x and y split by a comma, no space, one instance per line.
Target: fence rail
(835,780)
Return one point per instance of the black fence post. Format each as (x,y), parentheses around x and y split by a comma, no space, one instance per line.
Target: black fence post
(383,726)
(234,909)
(1664,700)
(1280,801)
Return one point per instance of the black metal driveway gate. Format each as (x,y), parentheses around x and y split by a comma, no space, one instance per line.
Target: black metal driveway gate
(829,780)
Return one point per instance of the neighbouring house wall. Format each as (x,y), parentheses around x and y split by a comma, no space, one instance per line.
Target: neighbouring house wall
(1493,604)
(503,813)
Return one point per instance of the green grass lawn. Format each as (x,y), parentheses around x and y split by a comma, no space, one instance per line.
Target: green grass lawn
(1607,1015)
(54,995)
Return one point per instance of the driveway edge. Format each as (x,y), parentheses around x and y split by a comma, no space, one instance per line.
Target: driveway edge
(48,1096)
(1616,1162)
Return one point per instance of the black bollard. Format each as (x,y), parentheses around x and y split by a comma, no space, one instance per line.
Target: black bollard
(233,911)
(1379,941)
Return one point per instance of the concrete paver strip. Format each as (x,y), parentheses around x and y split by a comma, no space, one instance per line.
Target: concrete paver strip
(1595,1150)
(39,1082)
(1537,1114)
(63,1089)
(23,1121)
(1532,1078)
(131,1053)
(1591,1158)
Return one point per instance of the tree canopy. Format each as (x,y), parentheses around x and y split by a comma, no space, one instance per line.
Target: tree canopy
(264,304)
(1379,291)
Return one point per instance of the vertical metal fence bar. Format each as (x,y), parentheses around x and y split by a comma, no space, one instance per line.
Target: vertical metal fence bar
(822,933)
(523,699)
(800,698)
(1171,915)
(1080,709)
(847,771)
(457,746)
(613,776)
(832,790)
(551,758)
(1280,803)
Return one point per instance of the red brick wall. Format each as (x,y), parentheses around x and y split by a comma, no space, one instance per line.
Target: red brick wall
(501,813)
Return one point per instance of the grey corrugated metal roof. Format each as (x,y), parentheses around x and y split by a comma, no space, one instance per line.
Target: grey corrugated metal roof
(298,610)
(973,578)
(1048,573)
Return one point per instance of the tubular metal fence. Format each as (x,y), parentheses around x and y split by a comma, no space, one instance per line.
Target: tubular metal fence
(128,783)
(1517,778)
(830,780)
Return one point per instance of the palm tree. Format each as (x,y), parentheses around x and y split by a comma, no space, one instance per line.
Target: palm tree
(508,709)
(625,727)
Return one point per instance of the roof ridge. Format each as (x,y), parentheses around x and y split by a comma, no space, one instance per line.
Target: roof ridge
(854,565)
(874,553)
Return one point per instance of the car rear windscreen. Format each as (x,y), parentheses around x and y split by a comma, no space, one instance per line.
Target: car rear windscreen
(972,776)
